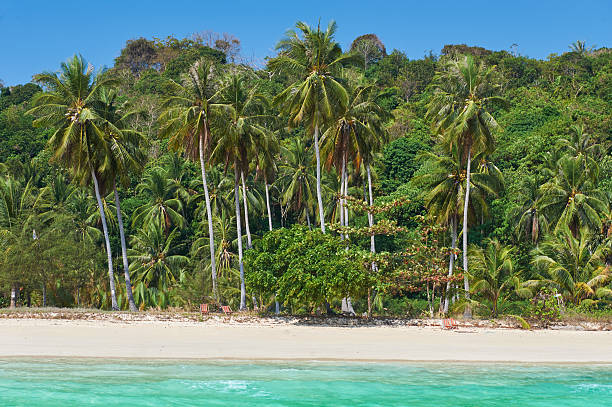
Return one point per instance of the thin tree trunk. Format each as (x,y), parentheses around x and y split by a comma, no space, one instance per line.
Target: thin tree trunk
(451,260)
(344,206)
(109,255)
(211,237)
(268,204)
(13,296)
(44,293)
(239,233)
(466,283)
(126,267)
(319,195)
(308,219)
(246,211)
(341,199)
(370,215)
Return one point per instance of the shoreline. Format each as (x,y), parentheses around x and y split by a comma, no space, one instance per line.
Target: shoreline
(214,340)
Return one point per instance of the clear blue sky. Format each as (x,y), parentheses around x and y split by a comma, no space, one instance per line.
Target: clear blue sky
(37,35)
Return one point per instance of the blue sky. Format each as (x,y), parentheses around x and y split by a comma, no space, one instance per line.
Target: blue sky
(37,35)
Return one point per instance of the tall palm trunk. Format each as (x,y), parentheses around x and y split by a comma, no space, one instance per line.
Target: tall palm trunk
(451,260)
(109,255)
(346,216)
(13,296)
(466,283)
(246,211)
(347,305)
(211,237)
(276,304)
(239,233)
(319,196)
(126,267)
(341,199)
(370,215)
(268,203)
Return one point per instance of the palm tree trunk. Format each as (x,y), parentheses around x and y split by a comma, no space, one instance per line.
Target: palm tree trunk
(466,283)
(341,199)
(246,212)
(319,196)
(370,215)
(268,203)
(308,218)
(126,267)
(451,260)
(239,233)
(211,237)
(13,296)
(109,254)
(346,219)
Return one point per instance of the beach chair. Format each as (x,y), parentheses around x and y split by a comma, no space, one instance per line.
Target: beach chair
(226,310)
(450,323)
(204,309)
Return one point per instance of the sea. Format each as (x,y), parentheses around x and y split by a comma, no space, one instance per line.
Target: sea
(114,382)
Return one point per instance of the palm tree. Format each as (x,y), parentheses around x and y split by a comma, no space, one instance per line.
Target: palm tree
(163,208)
(187,121)
(16,200)
(268,149)
(580,47)
(240,131)
(297,180)
(355,134)
(153,258)
(580,143)
(493,275)
(572,265)
(530,220)
(124,155)
(458,110)
(316,97)
(69,106)
(445,183)
(572,197)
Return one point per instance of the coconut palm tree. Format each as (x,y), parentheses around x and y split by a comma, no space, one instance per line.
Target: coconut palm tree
(124,155)
(154,262)
(572,265)
(572,197)
(187,122)
(163,208)
(444,188)
(529,218)
(355,134)
(69,106)
(268,149)
(494,277)
(458,110)
(297,181)
(580,143)
(240,130)
(314,59)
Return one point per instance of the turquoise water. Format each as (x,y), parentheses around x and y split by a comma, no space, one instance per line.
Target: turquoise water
(70,382)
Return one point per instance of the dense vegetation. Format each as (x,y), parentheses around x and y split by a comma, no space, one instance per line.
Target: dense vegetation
(473,181)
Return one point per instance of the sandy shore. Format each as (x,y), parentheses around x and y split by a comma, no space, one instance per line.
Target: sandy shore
(214,340)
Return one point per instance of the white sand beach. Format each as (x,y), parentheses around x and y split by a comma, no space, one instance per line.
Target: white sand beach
(218,340)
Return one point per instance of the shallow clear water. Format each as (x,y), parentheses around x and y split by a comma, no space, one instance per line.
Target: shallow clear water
(73,382)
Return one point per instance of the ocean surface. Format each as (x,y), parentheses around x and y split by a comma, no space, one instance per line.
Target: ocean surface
(75,382)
